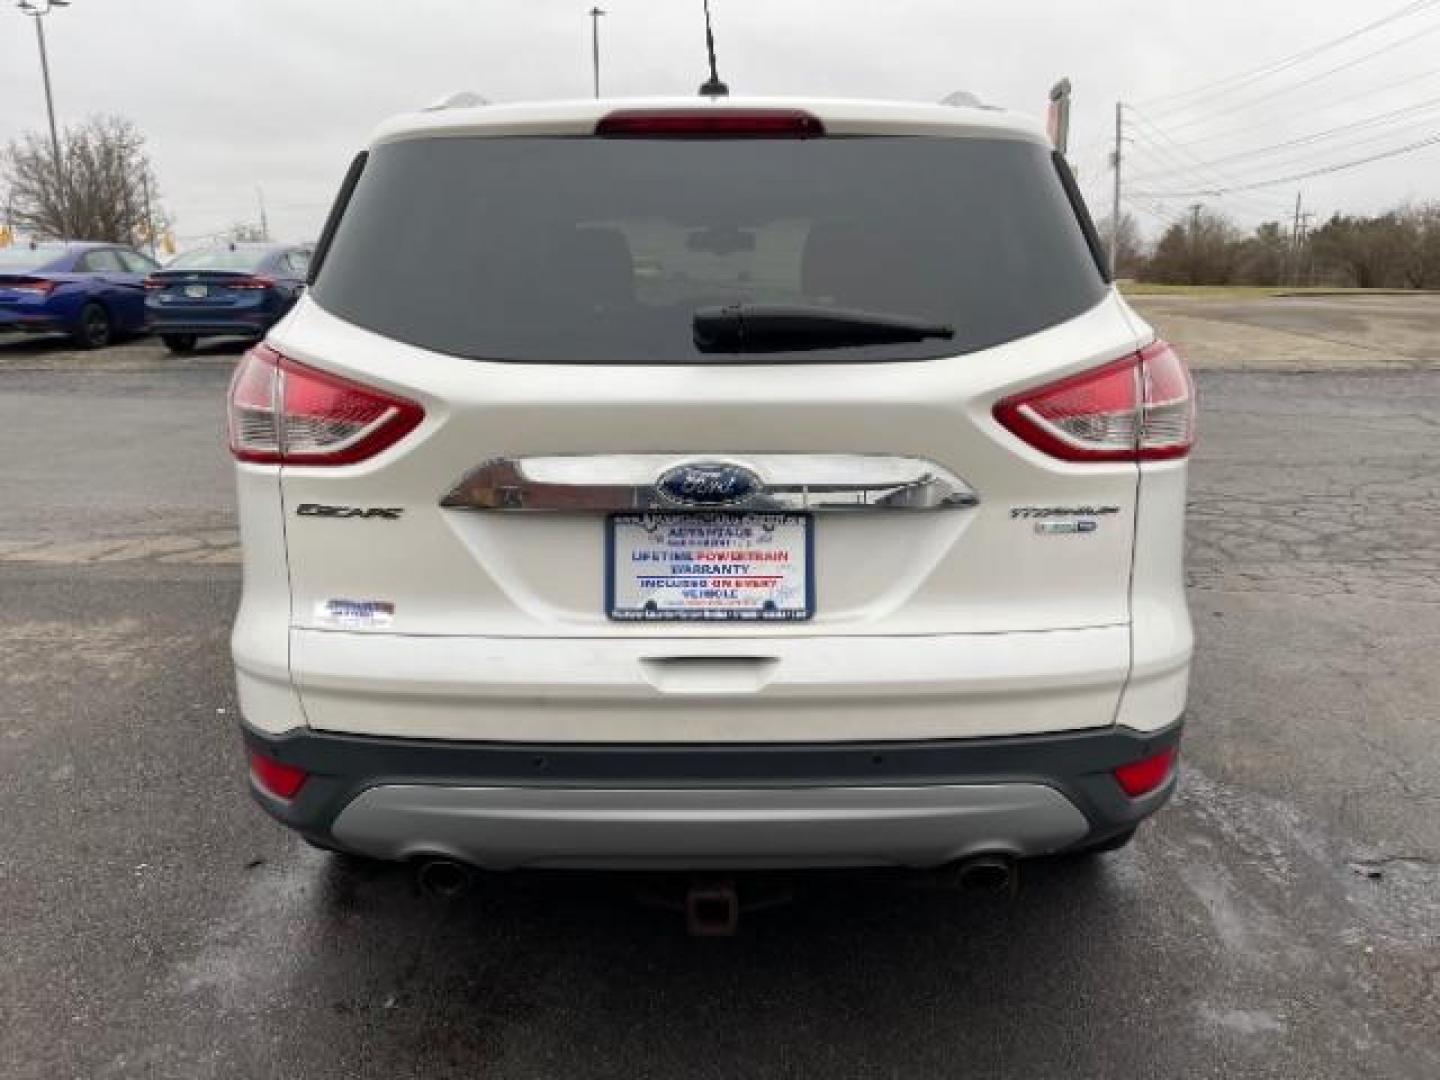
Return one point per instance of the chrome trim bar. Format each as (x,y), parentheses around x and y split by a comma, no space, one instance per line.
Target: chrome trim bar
(789,482)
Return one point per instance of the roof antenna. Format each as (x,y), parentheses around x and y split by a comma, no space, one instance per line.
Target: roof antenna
(712,87)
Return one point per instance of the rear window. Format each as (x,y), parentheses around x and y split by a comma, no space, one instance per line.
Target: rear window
(22,257)
(590,250)
(219,259)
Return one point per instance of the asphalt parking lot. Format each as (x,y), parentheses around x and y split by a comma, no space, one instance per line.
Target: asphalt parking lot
(1280,919)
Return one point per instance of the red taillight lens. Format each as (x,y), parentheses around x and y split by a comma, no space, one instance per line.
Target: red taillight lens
(709,124)
(34,285)
(1087,417)
(1141,408)
(275,777)
(151,284)
(282,412)
(1144,776)
(329,420)
(256,282)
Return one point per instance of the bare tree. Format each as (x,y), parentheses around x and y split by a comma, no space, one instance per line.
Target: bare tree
(1267,257)
(1420,244)
(1202,248)
(1399,249)
(100,193)
(1366,252)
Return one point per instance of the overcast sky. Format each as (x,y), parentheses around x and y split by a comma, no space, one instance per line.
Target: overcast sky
(280,93)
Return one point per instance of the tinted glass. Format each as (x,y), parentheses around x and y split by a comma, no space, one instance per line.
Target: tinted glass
(244,259)
(600,250)
(101,262)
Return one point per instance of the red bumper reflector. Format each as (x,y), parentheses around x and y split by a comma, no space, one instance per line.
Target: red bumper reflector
(1144,776)
(275,777)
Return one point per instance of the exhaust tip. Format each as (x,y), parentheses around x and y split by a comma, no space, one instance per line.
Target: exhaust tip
(443,878)
(712,909)
(988,873)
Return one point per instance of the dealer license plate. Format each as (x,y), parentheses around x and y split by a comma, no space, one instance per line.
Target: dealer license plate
(668,566)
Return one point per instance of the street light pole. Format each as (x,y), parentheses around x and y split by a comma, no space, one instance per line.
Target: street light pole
(595,13)
(36,11)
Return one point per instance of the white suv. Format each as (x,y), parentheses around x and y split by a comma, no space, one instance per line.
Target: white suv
(711,484)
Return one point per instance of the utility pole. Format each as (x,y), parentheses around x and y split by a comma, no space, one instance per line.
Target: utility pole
(1115,203)
(1294,274)
(595,13)
(1304,258)
(264,221)
(37,12)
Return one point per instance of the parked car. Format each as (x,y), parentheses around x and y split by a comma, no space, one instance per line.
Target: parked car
(91,291)
(847,533)
(226,290)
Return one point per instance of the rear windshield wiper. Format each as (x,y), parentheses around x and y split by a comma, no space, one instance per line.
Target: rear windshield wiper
(759,328)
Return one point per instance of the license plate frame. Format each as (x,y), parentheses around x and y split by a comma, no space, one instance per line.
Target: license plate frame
(197,292)
(621,595)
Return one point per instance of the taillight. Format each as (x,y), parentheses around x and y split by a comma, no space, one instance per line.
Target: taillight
(1146,775)
(38,286)
(710,124)
(1141,408)
(255,282)
(282,412)
(1167,424)
(151,284)
(275,777)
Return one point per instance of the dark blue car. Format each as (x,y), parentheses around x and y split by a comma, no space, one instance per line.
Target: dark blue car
(223,291)
(93,292)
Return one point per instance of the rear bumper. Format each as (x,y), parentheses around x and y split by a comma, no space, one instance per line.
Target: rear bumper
(628,690)
(250,317)
(838,804)
(180,323)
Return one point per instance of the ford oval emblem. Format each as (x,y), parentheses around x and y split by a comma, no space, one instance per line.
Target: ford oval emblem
(708,483)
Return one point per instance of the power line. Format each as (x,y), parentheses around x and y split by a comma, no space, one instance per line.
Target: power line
(1228,183)
(1162,161)
(1340,167)
(1244,202)
(1292,87)
(1308,110)
(1243,205)
(1187,162)
(1320,136)
(1327,155)
(1156,211)
(1234,82)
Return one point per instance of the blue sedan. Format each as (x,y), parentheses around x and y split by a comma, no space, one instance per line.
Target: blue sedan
(93,292)
(227,290)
